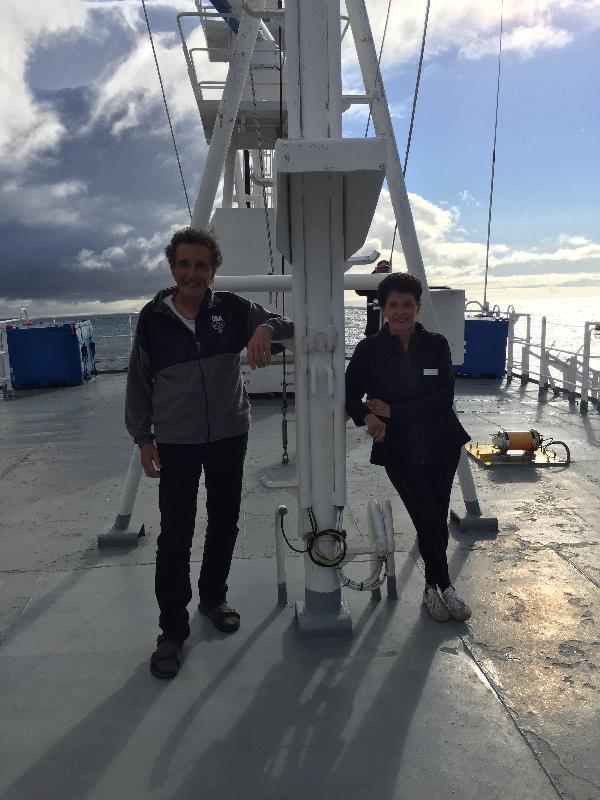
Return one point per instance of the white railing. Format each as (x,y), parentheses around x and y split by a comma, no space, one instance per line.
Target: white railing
(6,386)
(576,374)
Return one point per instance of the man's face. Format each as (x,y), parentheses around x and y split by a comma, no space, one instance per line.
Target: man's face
(192,271)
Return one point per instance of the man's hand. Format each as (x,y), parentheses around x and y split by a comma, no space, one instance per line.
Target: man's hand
(150,460)
(259,348)
(379,407)
(375,427)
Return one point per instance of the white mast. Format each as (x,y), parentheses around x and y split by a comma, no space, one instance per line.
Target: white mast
(327,190)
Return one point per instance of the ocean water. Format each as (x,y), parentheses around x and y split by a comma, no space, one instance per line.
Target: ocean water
(565,325)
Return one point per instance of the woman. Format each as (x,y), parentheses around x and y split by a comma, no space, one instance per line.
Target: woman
(406,373)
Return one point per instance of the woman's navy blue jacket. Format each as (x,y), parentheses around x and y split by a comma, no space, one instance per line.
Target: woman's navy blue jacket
(417,384)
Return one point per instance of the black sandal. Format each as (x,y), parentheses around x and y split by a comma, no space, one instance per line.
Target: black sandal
(165,660)
(226,619)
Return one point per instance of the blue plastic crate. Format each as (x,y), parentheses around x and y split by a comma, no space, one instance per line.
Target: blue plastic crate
(47,355)
(485,348)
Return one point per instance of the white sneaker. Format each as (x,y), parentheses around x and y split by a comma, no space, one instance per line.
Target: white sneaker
(457,607)
(435,605)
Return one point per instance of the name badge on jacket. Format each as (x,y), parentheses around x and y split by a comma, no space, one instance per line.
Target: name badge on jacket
(430,372)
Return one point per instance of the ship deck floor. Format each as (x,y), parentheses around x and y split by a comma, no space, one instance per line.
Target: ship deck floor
(505,706)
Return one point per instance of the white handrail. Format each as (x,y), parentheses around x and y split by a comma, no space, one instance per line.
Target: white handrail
(577,376)
(5,378)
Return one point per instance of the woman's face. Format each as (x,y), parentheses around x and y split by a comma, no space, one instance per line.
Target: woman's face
(400,311)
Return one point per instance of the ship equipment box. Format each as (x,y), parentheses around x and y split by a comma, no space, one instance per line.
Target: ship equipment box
(485,348)
(48,355)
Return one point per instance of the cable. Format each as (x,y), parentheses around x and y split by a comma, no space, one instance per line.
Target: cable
(489,224)
(262,172)
(416,92)
(413,114)
(162,88)
(378,81)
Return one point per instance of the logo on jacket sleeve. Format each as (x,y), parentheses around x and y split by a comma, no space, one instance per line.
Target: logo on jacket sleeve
(218,323)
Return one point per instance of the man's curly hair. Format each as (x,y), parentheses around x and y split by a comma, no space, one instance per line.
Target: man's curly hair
(194,236)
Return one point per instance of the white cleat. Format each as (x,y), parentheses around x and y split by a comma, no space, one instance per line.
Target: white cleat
(457,607)
(435,605)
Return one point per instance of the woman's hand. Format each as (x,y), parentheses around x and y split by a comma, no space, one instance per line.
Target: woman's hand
(379,407)
(375,427)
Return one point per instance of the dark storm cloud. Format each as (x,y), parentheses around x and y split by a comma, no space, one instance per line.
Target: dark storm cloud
(87,222)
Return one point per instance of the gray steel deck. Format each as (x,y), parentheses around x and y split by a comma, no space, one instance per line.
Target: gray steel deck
(506,706)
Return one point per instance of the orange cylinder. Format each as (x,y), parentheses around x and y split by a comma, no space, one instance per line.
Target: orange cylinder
(521,440)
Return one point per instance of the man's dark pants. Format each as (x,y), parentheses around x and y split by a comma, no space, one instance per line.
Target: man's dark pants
(181,468)
(425,491)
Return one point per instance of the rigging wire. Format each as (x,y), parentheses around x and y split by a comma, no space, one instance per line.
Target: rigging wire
(285,459)
(162,88)
(379,81)
(413,113)
(489,224)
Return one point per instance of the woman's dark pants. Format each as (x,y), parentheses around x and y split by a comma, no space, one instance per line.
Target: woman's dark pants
(425,491)
(181,468)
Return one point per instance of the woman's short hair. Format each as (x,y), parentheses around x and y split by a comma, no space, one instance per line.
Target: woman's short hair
(399,282)
(194,236)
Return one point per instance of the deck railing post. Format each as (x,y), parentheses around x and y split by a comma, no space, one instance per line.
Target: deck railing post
(543,360)
(525,352)
(5,377)
(571,378)
(595,388)
(585,367)
(510,346)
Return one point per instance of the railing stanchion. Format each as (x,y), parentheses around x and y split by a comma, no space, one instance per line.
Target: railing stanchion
(585,368)
(525,352)
(510,346)
(544,371)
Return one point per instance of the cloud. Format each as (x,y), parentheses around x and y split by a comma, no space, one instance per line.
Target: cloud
(31,127)
(451,258)
(469,28)
(43,203)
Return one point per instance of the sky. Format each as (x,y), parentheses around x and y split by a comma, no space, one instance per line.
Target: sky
(90,190)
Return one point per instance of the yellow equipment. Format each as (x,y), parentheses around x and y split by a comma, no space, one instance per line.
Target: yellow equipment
(520,447)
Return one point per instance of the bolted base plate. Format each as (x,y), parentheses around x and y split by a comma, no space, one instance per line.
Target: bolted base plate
(323,626)
(472,522)
(125,538)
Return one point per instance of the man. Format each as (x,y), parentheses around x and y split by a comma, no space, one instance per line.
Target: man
(373,315)
(187,409)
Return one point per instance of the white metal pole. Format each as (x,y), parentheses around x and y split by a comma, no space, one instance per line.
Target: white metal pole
(228,178)
(280,556)
(571,384)
(241,56)
(543,359)
(467,485)
(121,533)
(257,192)
(510,346)
(595,385)
(240,192)
(317,246)
(585,370)
(525,351)
(382,121)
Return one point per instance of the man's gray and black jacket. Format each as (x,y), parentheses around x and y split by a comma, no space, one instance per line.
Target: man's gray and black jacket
(418,385)
(186,388)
